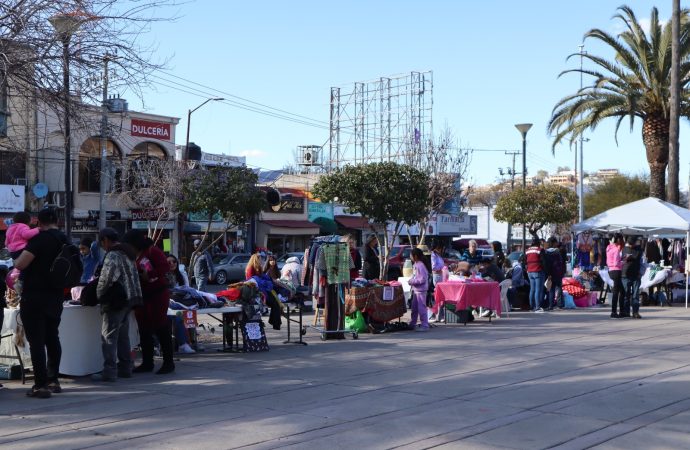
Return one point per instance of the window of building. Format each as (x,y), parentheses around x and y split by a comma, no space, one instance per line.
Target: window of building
(148,150)
(90,166)
(12,167)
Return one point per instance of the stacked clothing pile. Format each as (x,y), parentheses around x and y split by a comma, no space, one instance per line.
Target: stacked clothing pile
(184,297)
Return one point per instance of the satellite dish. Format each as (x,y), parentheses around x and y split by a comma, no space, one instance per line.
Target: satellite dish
(273,197)
(40,190)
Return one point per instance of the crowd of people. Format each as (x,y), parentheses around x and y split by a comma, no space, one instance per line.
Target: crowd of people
(131,275)
(125,274)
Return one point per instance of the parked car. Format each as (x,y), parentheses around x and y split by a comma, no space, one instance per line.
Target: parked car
(451,256)
(462,244)
(399,253)
(514,256)
(280,262)
(230,267)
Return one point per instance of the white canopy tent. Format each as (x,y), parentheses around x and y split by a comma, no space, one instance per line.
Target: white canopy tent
(647,217)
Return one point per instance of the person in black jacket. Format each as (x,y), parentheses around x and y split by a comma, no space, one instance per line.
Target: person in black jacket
(41,306)
(631,256)
(371,266)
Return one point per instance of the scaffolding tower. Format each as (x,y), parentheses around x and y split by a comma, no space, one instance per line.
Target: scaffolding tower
(380,120)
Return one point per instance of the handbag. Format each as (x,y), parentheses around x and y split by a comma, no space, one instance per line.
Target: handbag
(88,295)
(115,297)
(356,322)
(548,283)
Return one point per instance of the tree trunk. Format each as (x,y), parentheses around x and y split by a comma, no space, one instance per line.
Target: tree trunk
(655,139)
(657,181)
(673,190)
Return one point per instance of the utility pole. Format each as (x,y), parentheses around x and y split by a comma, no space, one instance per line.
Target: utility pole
(580,175)
(511,172)
(104,146)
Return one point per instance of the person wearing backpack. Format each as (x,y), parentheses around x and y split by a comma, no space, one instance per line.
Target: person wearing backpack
(118,291)
(554,271)
(41,304)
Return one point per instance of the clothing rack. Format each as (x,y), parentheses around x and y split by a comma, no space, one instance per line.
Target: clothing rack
(333,293)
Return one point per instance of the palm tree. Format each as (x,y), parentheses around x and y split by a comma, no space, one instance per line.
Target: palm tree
(636,84)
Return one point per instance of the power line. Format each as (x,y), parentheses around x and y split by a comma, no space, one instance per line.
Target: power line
(241,98)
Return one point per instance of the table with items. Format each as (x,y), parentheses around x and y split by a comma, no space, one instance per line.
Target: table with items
(80,332)
(382,303)
(468,293)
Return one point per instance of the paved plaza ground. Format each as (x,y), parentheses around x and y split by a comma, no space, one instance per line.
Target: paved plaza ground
(567,379)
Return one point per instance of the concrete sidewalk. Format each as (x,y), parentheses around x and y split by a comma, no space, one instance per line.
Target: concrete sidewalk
(567,379)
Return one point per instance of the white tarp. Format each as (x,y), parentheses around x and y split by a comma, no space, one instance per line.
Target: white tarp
(646,216)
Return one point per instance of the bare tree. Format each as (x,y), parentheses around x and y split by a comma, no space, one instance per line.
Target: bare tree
(31,50)
(154,185)
(446,164)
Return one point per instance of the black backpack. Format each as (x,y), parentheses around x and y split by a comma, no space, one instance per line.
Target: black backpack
(67,268)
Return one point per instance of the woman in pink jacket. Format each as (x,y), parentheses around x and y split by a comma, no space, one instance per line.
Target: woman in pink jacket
(420,285)
(614,262)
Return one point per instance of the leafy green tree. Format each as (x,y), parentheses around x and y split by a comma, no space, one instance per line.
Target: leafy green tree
(386,193)
(228,191)
(635,84)
(614,192)
(536,206)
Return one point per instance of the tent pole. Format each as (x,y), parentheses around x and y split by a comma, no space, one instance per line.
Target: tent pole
(687,255)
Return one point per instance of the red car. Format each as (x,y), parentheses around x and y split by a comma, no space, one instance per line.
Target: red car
(401,253)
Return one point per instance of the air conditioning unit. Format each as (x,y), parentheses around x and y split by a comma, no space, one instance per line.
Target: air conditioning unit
(309,155)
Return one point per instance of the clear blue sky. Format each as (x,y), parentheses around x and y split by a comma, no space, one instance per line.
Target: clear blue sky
(495,64)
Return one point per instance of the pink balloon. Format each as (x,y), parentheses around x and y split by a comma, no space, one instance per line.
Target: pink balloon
(11,277)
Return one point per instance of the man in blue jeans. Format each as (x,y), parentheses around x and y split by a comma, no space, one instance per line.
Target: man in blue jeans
(535,273)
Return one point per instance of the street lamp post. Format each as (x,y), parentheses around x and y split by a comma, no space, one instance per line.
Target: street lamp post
(66,25)
(523,128)
(189,121)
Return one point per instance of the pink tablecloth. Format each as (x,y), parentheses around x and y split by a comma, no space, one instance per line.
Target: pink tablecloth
(464,294)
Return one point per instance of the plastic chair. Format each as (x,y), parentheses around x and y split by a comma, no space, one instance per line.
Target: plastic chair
(505,304)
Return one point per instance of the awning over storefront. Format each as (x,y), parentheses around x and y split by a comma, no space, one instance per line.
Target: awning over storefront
(199,227)
(291,227)
(327,226)
(353,222)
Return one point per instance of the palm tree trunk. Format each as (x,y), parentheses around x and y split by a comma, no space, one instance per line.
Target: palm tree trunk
(655,137)
(657,181)
(673,190)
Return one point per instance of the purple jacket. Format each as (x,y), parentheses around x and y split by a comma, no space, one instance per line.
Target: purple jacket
(420,280)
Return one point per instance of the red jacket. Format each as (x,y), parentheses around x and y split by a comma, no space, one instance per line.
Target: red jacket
(535,259)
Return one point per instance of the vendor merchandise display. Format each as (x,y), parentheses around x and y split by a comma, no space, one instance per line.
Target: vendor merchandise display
(326,271)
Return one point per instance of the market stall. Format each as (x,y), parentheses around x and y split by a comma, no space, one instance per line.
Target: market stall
(647,217)
(381,302)
(466,293)
(80,332)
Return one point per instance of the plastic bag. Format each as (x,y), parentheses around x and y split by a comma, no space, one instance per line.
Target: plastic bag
(568,301)
(356,322)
